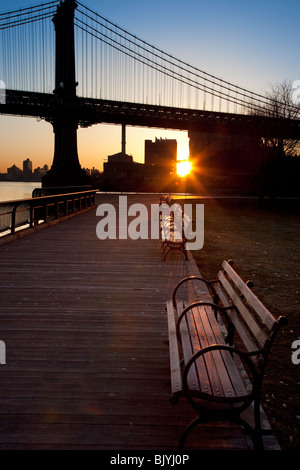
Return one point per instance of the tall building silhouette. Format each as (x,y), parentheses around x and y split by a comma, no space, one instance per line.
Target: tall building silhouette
(161,153)
(27,168)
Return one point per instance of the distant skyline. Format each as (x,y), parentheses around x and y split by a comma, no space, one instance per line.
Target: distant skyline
(253,44)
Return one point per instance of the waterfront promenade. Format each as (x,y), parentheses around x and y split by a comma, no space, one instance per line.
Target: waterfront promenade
(84,325)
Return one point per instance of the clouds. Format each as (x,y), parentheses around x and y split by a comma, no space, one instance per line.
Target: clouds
(296,92)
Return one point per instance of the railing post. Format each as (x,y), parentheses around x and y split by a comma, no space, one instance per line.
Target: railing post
(45,212)
(13,219)
(31,219)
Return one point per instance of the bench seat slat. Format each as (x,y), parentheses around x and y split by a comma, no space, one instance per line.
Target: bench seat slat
(235,378)
(188,352)
(197,378)
(201,365)
(217,373)
(223,362)
(176,377)
(207,337)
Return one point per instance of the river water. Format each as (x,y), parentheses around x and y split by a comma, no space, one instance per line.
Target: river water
(11,190)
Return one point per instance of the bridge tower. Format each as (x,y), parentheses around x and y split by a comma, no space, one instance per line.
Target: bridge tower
(66,169)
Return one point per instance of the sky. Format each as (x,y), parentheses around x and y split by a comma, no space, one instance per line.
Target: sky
(254,44)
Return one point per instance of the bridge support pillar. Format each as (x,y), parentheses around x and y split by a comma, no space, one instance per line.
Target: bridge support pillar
(66,169)
(123,138)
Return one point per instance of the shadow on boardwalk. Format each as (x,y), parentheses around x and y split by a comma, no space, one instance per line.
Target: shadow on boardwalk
(84,325)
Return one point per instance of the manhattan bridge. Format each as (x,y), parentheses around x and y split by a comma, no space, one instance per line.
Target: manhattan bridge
(63,62)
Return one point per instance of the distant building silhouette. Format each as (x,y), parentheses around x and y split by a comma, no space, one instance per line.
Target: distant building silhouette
(39,173)
(161,153)
(14,173)
(120,172)
(119,165)
(27,169)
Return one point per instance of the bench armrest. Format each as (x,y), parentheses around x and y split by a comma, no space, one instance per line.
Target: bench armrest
(245,356)
(192,278)
(215,307)
(225,347)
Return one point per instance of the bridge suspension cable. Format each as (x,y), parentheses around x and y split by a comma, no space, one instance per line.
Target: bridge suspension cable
(27,15)
(180,83)
(114,64)
(27,48)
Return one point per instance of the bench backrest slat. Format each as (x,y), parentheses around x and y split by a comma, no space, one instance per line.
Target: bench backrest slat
(240,328)
(245,314)
(266,317)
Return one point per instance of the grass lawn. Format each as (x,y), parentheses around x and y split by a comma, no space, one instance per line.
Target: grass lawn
(264,242)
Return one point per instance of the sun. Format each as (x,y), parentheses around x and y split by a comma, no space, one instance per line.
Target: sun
(183,167)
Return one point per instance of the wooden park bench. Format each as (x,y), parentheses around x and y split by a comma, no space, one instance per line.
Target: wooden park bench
(166,199)
(172,233)
(219,349)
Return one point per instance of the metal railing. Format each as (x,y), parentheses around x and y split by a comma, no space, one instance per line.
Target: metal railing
(26,213)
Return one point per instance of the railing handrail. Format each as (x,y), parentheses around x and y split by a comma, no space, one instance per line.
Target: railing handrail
(14,201)
(38,208)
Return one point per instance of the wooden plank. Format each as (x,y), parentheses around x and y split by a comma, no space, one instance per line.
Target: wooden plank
(233,372)
(175,369)
(220,383)
(187,348)
(200,365)
(85,326)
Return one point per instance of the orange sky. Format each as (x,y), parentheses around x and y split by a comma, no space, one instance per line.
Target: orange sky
(23,138)
(225,45)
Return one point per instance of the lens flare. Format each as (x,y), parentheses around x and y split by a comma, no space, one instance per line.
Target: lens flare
(183,168)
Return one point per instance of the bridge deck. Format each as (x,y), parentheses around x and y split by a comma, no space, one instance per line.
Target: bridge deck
(84,325)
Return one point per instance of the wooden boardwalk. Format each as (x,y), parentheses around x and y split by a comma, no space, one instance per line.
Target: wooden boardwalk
(84,325)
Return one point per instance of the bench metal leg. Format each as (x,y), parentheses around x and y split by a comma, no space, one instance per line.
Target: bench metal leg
(258,429)
(255,434)
(187,431)
(170,248)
